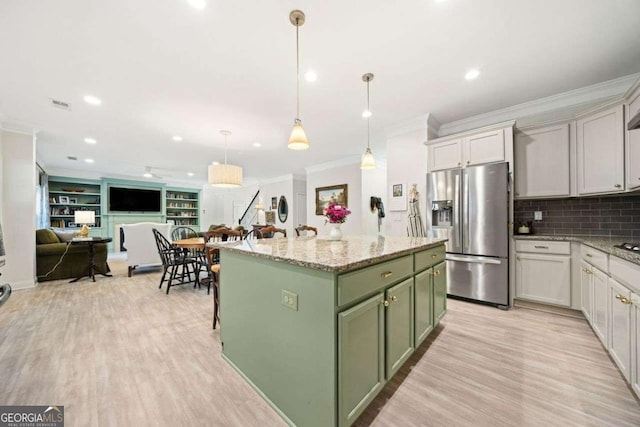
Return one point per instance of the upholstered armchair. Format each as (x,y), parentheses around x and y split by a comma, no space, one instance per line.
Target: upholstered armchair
(141,245)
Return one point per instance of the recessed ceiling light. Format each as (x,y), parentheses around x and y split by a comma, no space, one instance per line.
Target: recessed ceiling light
(215,163)
(147,175)
(257,144)
(89,160)
(198,4)
(177,138)
(189,173)
(366,114)
(310,76)
(93,100)
(472,74)
(90,140)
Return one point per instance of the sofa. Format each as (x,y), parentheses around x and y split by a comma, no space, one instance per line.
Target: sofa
(50,247)
(141,244)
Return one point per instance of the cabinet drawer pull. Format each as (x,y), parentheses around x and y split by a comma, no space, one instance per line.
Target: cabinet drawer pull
(618,296)
(386,275)
(617,185)
(625,300)
(434,256)
(394,298)
(385,303)
(589,255)
(541,247)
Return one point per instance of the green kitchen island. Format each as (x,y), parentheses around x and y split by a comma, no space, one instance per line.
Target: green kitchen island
(318,327)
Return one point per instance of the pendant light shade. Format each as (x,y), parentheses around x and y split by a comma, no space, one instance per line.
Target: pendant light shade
(298,139)
(368,162)
(225,175)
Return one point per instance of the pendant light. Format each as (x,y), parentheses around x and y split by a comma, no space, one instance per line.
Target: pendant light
(225,175)
(368,162)
(298,139)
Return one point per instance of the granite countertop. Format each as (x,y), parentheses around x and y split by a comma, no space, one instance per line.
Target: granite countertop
(605,244)
(334,256)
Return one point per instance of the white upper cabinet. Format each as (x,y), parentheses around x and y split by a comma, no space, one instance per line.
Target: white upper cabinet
(487,147)
(445,155)
(470,149)
(542,165)
(633,148)
(600,149)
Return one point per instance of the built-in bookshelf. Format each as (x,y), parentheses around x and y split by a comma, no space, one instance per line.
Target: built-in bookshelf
(182,207)
(67,197)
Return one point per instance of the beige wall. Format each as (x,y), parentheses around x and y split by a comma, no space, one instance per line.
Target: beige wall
(17,201)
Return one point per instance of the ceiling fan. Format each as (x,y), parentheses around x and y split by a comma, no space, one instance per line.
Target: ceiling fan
(149,174)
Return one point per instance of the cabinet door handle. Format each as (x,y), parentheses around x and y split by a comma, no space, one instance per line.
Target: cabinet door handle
(394,298)
(541,247)
(617,185)
(434,256)
(517,194)
(461,163)
(618,296)
(386,275)
(589,255)
(468,161)
(437,273)
(625,300)
(518,258)
(385,303)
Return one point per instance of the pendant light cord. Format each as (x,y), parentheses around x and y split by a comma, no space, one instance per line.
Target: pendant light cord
(297,71)
(225,148)
(368,118)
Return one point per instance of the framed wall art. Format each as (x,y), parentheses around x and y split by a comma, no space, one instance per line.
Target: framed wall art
(398,197)
(335,193)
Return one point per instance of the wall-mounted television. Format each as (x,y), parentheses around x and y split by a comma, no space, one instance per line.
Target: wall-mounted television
(134,200)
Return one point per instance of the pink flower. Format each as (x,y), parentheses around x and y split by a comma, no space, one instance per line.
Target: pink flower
(335,213)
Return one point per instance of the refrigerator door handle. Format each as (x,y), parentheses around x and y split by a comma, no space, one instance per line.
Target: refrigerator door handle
(465,212)
(456,213)
(474,260)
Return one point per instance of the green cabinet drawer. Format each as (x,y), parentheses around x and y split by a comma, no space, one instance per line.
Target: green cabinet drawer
(429,257)
(359,283)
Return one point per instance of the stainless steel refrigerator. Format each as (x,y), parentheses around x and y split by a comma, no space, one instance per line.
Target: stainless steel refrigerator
(470,207)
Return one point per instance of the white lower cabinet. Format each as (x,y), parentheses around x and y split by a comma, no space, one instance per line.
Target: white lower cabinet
(620,326)
(543,271)
(600,318)
(544,278)
(586,290)
(635,344)
(615,308)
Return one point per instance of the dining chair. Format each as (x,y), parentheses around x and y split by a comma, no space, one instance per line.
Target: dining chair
(213,265)
(174,262)
(306,228)
(270,231)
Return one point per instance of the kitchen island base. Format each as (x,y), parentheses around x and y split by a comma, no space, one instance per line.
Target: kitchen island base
(318,342)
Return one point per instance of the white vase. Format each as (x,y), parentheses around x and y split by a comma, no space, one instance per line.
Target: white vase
(335,233)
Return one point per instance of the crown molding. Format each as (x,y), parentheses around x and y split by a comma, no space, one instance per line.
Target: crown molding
(420,123)
(17,128)
(493,126)
(588,95)
(347,161)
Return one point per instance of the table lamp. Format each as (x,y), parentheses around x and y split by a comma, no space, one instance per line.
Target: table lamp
(84,218)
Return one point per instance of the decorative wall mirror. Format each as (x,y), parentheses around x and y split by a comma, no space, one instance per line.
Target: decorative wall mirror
(283,209)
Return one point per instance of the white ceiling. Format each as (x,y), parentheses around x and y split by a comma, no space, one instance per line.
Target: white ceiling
(164,68)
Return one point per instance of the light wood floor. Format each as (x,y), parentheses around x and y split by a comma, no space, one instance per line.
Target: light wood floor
(122,353)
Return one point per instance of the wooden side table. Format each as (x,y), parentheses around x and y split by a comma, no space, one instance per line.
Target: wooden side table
(92,268)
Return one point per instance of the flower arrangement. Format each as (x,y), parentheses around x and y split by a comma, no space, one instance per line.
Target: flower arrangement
(335,213)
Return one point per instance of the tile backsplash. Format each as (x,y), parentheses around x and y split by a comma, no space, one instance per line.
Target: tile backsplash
(614,216)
